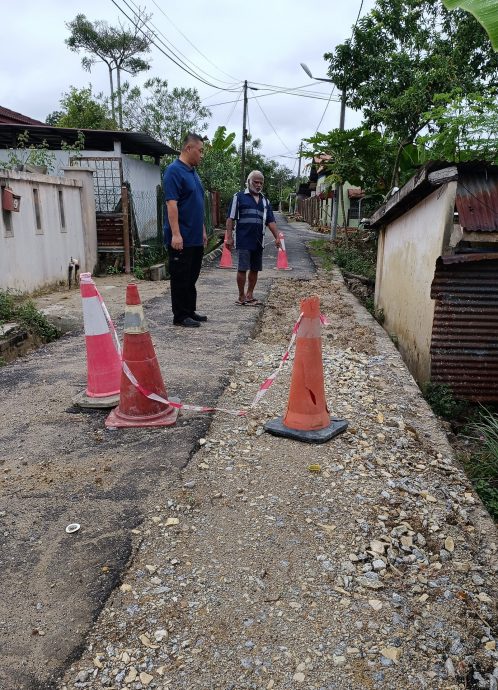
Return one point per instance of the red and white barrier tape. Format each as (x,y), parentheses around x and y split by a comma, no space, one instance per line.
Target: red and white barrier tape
(262,391)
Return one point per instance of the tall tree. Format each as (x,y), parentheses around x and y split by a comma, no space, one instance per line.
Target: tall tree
(404,53)
(165,115)
(118,47)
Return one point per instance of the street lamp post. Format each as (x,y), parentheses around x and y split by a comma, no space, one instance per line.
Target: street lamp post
(342,117)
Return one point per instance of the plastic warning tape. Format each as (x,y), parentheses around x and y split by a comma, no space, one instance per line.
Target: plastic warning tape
(262,391)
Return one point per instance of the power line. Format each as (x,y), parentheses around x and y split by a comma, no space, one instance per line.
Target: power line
(267,119)
(233,109)
(194,46)
(181,66)
(173,48)
(289,93)
(333,88)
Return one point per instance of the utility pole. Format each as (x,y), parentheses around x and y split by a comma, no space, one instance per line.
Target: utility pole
(338,188)
(244,135)
(298,176)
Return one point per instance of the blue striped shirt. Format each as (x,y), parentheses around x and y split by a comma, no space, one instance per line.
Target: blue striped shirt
(249,216)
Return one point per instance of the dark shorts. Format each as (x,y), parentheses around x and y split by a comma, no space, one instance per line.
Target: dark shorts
(250,260)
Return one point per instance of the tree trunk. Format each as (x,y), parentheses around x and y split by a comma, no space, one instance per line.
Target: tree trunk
(120,99)
(113,109)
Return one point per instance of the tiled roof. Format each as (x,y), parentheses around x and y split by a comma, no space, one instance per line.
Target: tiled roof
(11,117)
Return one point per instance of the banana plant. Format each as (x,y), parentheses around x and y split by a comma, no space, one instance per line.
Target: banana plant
(485,11)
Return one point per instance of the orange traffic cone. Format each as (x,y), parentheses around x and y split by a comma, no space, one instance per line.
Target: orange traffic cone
(307,417)
(141,380)
(282,263)
(102,355)
(226,256)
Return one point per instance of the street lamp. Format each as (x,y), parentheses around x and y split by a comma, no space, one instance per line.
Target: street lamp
(333,222)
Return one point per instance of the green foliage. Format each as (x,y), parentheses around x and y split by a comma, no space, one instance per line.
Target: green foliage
(166,115)
(25,313)
(403,53)
(323,250)
(485,13)
(144,257)
(113,270)
(482,465)
(463,127)
(220,165)
(80,109)
(75,149)
(28,154)
(440,397)
(351,260)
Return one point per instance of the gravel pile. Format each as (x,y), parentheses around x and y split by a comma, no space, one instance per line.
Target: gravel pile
(366,562)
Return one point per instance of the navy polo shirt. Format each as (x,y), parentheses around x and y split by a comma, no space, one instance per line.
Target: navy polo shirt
(182,184)
(249,216)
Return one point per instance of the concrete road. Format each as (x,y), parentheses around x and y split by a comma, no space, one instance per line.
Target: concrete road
(60,465)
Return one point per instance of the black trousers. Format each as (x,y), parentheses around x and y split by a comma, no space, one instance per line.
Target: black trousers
(184,267)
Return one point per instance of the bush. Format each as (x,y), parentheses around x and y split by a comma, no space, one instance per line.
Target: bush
(440,397)
(27,315)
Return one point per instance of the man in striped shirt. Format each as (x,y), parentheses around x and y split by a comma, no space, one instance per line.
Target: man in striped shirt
(252,213)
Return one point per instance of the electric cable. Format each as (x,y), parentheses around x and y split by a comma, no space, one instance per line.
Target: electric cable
(271,125)
(184,68)
(174,48)
(193,45)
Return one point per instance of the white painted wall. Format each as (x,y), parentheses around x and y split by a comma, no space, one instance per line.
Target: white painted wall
(32,257)
(406,258)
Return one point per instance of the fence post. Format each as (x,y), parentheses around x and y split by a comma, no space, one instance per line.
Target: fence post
(160,211)
(126,228)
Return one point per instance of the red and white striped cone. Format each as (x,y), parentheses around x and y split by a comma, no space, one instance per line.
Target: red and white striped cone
(282,263)
(143,398)
(102,354)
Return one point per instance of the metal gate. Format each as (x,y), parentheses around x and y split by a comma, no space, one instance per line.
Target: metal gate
(111,205)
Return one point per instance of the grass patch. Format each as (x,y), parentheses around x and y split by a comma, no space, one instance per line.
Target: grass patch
(481,465)
(16,309)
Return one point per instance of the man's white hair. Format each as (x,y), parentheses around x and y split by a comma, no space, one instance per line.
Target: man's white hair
(253,173)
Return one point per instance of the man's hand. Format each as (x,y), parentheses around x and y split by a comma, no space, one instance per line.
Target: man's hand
(177,242)
(229,242)
(204,236)
(277,242)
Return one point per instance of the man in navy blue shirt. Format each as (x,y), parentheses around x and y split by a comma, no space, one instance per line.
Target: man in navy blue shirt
(184,230)
(252,213)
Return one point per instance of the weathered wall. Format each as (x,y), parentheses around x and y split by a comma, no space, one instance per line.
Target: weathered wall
(406,258)
(35,253)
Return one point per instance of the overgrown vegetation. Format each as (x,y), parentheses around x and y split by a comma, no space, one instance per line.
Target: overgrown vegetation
(481,464)
(440,397)
(25,313)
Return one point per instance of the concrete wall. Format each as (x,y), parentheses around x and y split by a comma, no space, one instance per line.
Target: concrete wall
(35,252)
(406,258)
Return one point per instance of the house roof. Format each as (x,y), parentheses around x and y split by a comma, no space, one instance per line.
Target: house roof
(137,143)
(10,116)
(476,200)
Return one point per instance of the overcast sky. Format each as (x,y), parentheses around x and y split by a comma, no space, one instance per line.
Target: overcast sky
(229,41)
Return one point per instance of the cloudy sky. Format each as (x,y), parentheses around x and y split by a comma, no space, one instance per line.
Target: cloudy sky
(223,41)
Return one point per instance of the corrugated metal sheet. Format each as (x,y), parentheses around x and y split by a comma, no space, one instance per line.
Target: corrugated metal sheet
(464,346)
(477,202)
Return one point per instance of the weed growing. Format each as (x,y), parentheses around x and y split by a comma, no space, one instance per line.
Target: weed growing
(482,463)
(26,314)
(440,397)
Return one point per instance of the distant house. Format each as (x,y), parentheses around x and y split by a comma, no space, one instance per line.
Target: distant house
(123,163)
(437,276)
(317,210)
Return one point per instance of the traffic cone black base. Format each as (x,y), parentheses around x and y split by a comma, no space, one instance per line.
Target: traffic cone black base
(276,427)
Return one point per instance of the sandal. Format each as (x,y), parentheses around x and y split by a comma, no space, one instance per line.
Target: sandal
(240,303)
(253,302)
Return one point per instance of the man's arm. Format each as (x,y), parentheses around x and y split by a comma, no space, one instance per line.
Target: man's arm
(229,233)
(274,231)
(172,210)
(204,236)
